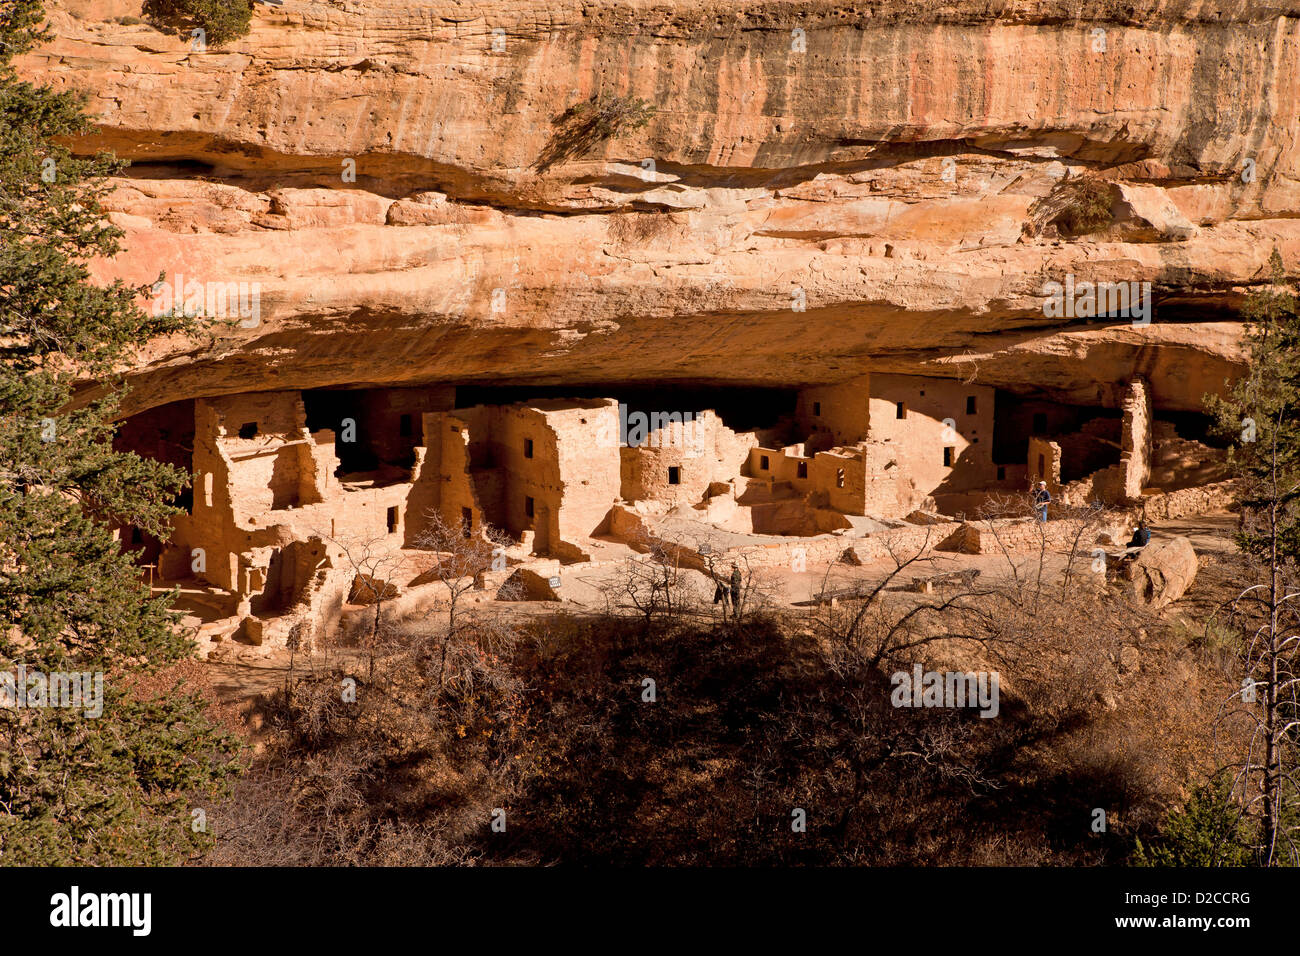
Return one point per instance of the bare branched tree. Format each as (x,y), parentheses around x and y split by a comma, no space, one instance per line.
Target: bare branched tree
(651,582)
(1267,615)
(740,584)
(375,565)
(461,559)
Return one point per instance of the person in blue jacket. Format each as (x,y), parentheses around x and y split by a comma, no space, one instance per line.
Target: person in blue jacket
(1042,498)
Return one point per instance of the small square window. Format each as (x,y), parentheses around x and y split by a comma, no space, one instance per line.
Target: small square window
(528,448)
(674,475)
(762,462)
(900,410)
(948,455)
(528,507)
(392,520)
(817,408)
(803,469)
(970,404)
(248,430)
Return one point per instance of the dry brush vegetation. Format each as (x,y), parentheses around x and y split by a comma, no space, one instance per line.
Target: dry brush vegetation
(475,715)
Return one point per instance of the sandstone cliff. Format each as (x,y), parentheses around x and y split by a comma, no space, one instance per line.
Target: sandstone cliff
(821,188)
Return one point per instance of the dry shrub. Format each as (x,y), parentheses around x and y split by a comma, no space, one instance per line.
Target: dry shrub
(751,721)
(640,228)
(1074,207)
(395,752)
(587,124)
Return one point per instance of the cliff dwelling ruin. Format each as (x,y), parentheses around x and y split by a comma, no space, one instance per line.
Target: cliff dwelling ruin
(818,301)
(288,485)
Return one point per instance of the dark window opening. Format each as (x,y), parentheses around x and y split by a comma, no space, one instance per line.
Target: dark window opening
(1040,422)
(803,469)
(762,462)
(404,426)
(970,404)
(900,410)
(528,448)
(817,408)
(358,445)
(674,475)
(528,507)
(392,520)
(948,456)
(248,430)
(466,521)
(1042,467)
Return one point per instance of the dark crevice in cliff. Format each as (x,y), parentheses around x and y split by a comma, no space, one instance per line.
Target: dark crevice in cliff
(396,176)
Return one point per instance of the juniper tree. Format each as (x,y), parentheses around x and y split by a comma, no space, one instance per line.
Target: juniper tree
(75,789)
(220,20)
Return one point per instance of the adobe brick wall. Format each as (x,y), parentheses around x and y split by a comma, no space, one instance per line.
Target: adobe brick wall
(478,458)
(862,479)
(1045,463)
(918,440)
(1020,535)
(254,498)
(842,410)
(1135,438)
(381,417)
(591,477)
(1122,482)
(1189,501)
(704,451)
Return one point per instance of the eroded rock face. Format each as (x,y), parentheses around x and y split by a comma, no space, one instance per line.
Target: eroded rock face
(821,189)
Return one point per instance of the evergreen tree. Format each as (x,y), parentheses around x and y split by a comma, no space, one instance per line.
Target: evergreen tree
(220,20)
(1208,831)
(116,788)
(1262,412)
(1262,415)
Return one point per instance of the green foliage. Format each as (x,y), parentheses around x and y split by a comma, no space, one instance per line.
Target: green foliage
(1209,830)
(137,771)
(221,20)
(72,788)
(1214,638)
(1262,416)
